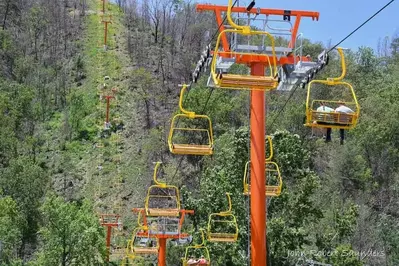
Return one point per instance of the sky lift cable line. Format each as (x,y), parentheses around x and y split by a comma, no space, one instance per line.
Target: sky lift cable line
(370,18)
(335,46)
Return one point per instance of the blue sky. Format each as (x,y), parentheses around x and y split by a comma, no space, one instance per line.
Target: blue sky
(338,18)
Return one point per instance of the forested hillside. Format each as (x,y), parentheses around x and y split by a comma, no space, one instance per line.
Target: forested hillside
(61,167)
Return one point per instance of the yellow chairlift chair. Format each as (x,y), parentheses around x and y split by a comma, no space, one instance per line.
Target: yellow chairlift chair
(141,242)
(196,252)
(193,124)
(341,93)
(237,81)
(222,226)
(273,175)
(118,248)
(272,172)
(130,258)
(162,199)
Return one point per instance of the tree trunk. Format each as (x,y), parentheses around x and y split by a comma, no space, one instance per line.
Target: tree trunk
(6,14)
(148,115)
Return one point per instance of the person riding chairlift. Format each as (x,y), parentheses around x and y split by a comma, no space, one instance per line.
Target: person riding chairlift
(202,261)
(191,261)
(323,108)
(342,108)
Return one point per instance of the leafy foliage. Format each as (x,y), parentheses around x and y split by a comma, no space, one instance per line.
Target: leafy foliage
(71,234)
(11,224)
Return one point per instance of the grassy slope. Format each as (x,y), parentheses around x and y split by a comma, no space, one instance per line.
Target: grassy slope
(120,184)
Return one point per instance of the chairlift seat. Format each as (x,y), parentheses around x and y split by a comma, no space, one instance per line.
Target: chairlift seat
(332,119)
(145,250)
(234,81)
(222,237)
(271,191)
(192,149)
(163,212)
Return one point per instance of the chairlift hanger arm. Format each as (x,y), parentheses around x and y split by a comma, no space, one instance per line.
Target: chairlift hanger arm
(343,67)
(228,211)
(157,165)
(184,111)
(245,29)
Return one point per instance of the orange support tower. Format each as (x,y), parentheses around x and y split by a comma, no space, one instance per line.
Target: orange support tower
(163,236)
(106,22)
(109,221)
(107,98)
(257,121)
(103,5)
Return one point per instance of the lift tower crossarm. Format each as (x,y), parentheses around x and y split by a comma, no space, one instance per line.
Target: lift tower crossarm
(257,11)
(266,11)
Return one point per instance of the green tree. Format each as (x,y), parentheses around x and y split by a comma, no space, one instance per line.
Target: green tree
(71,234)
(26,183)
(289,216)
(10,230)
(344,255)
(388,228)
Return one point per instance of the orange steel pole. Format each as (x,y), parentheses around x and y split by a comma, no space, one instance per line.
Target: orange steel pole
(162,252)
(108,244)
(104,6)
(105,32)
(107,114)
(258,206)
(106,28)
